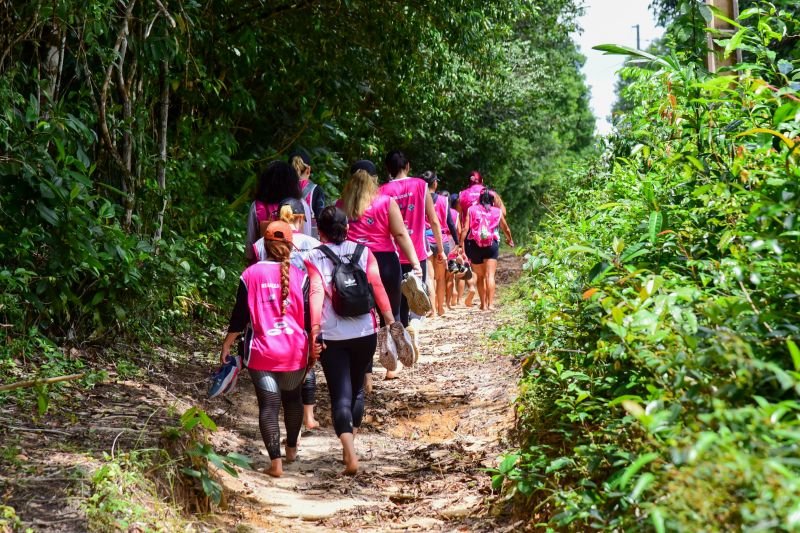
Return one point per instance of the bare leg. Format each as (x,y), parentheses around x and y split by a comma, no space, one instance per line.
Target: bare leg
(439,269)
(491,268)
(308,417)
(449,290)
(349,454)
(480,274)
(368,382)
(430,281)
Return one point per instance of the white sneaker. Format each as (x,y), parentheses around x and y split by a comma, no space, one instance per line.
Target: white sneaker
(404,343)
(387,349)
(416,292)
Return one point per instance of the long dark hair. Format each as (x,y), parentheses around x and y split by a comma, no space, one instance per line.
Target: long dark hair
(332,223)
(278,182)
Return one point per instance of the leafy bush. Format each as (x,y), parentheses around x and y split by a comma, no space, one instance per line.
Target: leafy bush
(660,349)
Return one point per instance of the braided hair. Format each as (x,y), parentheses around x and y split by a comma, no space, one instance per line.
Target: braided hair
(281,251)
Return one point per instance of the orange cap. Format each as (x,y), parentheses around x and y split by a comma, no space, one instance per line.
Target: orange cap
(279,231)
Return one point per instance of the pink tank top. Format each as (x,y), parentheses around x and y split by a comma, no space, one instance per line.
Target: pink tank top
(409,193)
(483,224)
(469,196)
(440,206)
(372,228)
(454,216)
(279,342)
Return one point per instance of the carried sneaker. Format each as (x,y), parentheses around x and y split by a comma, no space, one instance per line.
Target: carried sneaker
(403,342)
(416,292)
(412,331)
(387,350)
(224,379)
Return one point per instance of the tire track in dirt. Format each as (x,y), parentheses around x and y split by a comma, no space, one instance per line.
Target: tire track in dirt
(424,443)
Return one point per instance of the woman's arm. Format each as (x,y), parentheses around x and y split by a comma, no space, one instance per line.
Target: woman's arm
(240,317)
(452,227)
(465,228)
(498,202)
(433,220)
(400,233)
(316,297)
(381,299)
(506,231)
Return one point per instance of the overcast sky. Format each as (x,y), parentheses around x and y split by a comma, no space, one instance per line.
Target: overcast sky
(604,22)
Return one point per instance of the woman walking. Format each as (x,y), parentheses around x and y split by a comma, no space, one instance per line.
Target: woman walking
(346,342)
(417,207)
(376,222)
(311,193)
(270,299)
(482,243)
(442,208)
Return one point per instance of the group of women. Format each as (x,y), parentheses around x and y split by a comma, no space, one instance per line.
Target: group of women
(288,301)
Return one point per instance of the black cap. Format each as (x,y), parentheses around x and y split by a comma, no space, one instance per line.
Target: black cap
(295,204)
(365,165)
(302,155)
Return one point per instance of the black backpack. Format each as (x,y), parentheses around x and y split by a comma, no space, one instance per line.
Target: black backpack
(351,292)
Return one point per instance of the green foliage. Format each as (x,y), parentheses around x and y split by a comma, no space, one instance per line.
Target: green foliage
(131,134)
(660,347)
(200,453)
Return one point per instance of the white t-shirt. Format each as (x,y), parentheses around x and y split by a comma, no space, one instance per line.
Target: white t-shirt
(335,327)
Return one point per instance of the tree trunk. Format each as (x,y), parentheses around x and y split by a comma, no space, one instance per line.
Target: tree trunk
(161,164)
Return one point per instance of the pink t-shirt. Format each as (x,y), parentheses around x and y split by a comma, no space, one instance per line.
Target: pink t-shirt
(469,196)
(483,224)
(372,228)
(279,342)
(409,193)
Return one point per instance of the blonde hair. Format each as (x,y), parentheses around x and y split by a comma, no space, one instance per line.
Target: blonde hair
(358,193)
(281,251)
(300,165)
(288,216)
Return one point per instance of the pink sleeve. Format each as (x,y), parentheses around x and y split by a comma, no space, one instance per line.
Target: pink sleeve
(374,277)
(261,212)
(316,294)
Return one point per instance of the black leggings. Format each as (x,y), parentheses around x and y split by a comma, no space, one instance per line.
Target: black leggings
(403,302)
(272,390)
(345,363)
(309,389)
(391,276)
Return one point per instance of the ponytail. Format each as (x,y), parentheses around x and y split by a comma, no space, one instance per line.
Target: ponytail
(299,165)
(288,215)
(486,198)
(281,251)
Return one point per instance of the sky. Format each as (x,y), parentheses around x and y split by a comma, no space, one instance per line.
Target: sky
(611,22)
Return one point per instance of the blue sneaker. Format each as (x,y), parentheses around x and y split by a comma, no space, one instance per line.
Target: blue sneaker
(224,379)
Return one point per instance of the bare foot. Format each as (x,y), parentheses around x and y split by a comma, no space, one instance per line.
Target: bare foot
(350,465)
(391,374)
(276,468)
(308,417)
(311,424)
(291,454)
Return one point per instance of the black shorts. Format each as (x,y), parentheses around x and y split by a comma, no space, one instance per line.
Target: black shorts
(478,255)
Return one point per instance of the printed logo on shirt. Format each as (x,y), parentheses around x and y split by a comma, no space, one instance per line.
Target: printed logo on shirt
(270,285)
(280,327)
(370,221)
(410,207)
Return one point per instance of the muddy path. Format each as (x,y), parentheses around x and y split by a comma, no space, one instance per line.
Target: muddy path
(426,440)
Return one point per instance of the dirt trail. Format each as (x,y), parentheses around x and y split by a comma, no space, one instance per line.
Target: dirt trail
(424,443)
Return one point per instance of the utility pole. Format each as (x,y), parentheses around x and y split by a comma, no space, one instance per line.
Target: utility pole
(715,57)
(638,40)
